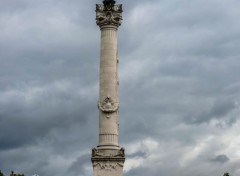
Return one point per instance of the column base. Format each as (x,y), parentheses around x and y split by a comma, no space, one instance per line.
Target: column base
(108,161)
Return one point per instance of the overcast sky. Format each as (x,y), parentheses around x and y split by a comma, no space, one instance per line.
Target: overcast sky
(179,87)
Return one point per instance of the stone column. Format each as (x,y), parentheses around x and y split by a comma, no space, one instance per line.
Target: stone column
(108,89)
(108,157)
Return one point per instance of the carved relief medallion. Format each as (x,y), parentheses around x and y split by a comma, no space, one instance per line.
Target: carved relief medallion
(108,105)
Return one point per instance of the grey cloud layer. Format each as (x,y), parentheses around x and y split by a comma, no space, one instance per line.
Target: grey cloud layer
(179,86)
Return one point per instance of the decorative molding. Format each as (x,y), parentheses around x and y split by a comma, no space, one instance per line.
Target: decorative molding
(108,13)
(121,153)
(108,105)
(108,165)
(100,153)
(97,153)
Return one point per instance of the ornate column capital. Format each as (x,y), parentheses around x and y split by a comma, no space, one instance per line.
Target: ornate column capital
(108,14)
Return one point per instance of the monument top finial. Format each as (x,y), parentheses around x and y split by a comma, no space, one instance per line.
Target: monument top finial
(109,3)
(109,13)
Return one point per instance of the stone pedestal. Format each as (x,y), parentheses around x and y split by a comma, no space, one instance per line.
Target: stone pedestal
(108,162)
(108,157)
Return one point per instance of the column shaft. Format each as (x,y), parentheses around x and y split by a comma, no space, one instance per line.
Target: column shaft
(108,122)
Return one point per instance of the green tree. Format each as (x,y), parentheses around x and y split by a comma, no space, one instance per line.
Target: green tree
(1,174)
(226,174)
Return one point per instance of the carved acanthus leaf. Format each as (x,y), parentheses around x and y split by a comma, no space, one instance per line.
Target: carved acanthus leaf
(108,14)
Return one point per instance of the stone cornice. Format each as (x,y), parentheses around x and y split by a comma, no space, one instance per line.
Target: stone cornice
(98,153)
(108,14)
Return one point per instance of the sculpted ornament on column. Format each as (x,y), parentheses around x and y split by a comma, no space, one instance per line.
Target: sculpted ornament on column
(108,161)
(108,13)
(108,105)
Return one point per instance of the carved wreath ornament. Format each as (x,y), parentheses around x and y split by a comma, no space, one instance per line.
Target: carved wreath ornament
(108,105)
(108,14)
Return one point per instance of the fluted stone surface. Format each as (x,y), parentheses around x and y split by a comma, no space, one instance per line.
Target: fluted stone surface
(108,126)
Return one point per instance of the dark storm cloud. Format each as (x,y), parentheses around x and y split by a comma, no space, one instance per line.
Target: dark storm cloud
(52,111)
(78,167)
(179,82)
(220,109)
(220,159)
(41,51)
